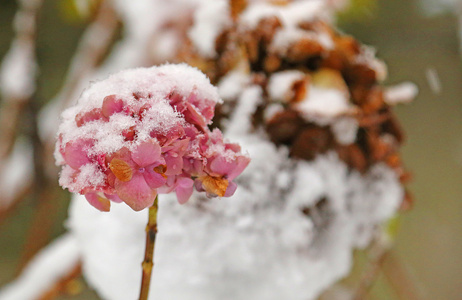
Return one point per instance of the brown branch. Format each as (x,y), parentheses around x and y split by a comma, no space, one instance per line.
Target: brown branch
(378,253)
(64,285)
(384,259)
(399,278)
(17,100)
(93,46)
(14,102)
(148,262)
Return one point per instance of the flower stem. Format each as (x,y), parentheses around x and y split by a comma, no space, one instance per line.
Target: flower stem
(148,262)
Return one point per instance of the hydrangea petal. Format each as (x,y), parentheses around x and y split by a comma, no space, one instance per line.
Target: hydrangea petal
(153,179)
(232,186)
(111,105)
(184,189)
(146,154)
(220,166)
(174,164)
(113,198)
(135,193)
(241,164)
(75,155)
(98,202)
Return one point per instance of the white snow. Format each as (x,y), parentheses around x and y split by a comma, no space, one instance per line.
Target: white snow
(280,85)
(231,85)
(345,130)
(291,15)
(17,171)
(210,18)
(17,72)
(256,245)
(323,104)
(47,267)
(404,92)
(433,80)
(247,104)
(107,135)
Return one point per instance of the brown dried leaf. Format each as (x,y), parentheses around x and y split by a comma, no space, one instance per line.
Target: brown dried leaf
(121,169)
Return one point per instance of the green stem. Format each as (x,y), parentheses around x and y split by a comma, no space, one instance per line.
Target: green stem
(148,262)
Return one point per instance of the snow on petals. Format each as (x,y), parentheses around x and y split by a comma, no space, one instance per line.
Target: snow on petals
(142,132)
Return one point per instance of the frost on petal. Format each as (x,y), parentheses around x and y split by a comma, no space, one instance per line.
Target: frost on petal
(146,154)
(184,189)
(98,202)
(136,192)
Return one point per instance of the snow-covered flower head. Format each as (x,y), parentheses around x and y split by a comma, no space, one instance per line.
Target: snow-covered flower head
(142,132)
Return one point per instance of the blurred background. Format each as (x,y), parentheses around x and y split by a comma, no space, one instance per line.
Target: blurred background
(417,39)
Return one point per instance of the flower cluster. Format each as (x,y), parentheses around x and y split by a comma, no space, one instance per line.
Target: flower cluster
(148,136)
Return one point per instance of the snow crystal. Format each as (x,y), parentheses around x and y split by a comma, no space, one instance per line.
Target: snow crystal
(209,21)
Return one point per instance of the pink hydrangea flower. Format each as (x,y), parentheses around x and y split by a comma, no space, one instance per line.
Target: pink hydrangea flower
(142,132)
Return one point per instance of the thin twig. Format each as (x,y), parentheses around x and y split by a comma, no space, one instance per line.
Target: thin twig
(399,278)
(61,286)
(18,64)
(93,46)
(378,253)
(148,262)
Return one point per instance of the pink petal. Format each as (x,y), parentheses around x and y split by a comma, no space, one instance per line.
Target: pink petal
(135,193)
(98,202)
(230,189)
(174,163)
(220,166)
(192,116)
(75,154)
(113,198)
(154,179)
(241,164)
(111,105)
(184,189)
(146,154)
